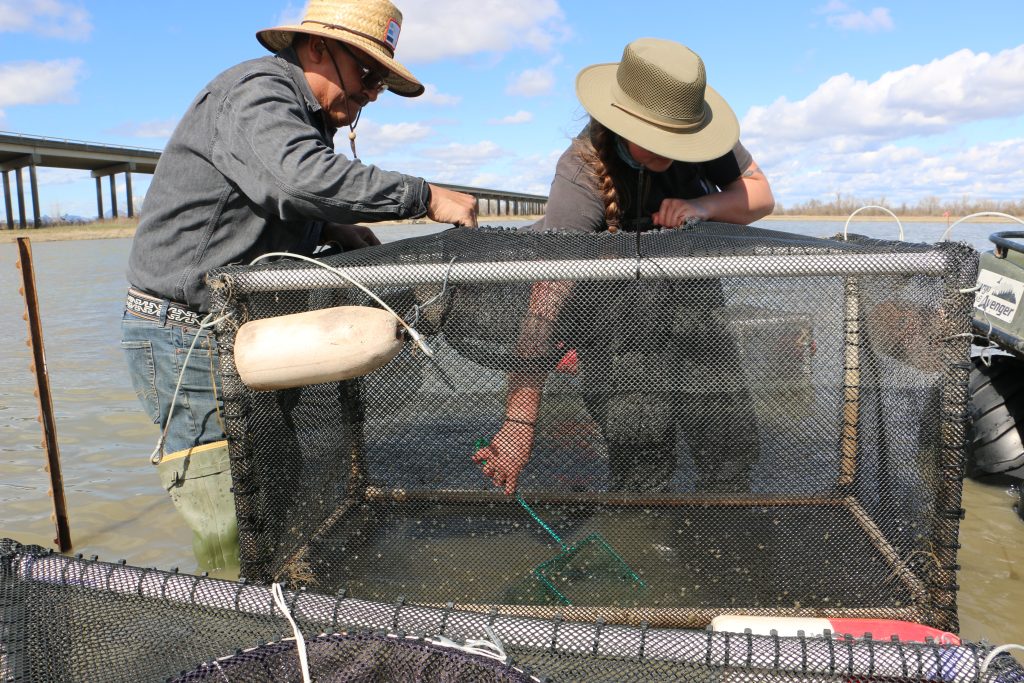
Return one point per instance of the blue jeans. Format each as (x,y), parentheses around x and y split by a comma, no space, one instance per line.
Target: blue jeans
(156,353)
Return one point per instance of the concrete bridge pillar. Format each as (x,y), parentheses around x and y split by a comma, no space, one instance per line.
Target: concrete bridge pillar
(34,188)
(113,195)
(16,165)
(20,188)
(111,172)
(128,194)
(99,199)
(7,201)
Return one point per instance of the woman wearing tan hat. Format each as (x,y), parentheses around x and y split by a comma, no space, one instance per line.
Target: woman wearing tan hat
(661,149)
(661,144)
(251,169)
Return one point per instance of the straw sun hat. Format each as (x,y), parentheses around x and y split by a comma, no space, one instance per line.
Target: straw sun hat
(370,25)
(658,98)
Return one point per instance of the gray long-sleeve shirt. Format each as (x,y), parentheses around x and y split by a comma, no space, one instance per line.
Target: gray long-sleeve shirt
(251,169)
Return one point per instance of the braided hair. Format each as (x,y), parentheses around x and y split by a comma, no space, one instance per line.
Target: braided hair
(598,152)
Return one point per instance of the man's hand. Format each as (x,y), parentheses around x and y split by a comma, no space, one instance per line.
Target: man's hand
(348,237)
(447,206)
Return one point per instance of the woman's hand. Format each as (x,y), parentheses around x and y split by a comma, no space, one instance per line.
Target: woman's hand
(507,455)
(675,212)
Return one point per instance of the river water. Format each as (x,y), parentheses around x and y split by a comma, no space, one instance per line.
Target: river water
(118,510)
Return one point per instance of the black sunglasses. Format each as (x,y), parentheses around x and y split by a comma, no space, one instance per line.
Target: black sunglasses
(372,79)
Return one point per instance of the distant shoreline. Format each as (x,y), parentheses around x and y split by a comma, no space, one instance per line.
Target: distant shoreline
(123,228)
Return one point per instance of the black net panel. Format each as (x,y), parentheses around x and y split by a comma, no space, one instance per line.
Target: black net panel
(731,419)
(71,619)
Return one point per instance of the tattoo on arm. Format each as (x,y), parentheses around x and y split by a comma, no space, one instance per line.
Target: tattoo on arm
(753,172)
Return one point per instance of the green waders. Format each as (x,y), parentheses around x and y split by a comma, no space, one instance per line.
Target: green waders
(199,482)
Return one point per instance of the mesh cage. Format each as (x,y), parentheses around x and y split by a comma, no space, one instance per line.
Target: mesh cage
(752,421)
(71,619)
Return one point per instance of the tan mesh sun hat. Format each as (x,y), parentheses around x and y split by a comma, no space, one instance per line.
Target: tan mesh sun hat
(658,97)
(370,25)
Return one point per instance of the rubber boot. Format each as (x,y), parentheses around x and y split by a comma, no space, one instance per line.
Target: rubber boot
(199,482)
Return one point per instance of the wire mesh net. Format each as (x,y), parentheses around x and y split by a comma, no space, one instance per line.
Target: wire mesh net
(751,420)
(73,619)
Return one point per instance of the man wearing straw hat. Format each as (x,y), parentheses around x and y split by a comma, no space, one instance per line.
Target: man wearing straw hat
(251,169)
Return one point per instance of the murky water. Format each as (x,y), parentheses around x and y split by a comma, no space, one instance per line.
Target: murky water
(117,509)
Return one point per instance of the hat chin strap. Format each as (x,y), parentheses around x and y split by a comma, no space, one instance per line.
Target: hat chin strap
(352,124)
(352,133)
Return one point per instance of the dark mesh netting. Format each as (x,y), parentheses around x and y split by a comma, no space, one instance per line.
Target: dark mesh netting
(71,619)
(730,419)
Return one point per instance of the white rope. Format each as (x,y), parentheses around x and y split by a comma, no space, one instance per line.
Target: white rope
(949,230)
(996,652)
(492,648)
(158,453)
(343,275)
(300,642)
(873,206)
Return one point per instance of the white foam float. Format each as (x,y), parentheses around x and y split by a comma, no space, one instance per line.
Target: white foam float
(325,345)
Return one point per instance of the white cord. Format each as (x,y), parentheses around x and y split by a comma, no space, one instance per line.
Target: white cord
(492,648)
(300,642)
(158,453)
(996,652)
(949,230)
(873,206)
(345,276)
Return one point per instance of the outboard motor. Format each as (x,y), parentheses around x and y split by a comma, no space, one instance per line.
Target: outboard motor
(997,380)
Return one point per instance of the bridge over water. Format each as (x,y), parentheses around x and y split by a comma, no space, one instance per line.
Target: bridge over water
(20,152)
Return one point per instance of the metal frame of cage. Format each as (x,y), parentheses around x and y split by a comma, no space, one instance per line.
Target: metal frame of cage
(115,583)
(935,604)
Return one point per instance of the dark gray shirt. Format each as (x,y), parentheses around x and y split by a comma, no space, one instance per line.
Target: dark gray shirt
(575,204)
(251,169)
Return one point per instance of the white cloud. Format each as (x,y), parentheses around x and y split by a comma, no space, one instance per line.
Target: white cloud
(435,29)
(61,176)
(899,173)
(460,154)
(918,100)
(878,19)
(290,15)
(891,138)
(431,95)
(147,129)
(520,116)
(50,18)
(374,139)
(402,133)
(38,82)
(532,82)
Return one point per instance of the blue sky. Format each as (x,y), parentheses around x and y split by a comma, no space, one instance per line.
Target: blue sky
(894,101)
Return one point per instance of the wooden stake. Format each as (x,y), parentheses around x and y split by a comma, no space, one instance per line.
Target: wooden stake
(35,342)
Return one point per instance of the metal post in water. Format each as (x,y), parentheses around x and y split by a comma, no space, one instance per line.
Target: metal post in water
(42,392)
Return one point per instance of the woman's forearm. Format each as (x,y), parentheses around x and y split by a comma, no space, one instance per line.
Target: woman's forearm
(743,201)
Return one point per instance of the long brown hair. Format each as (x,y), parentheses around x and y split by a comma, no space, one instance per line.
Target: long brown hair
(597,150)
